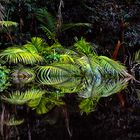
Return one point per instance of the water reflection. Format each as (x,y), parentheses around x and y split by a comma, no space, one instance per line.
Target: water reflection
(42,87)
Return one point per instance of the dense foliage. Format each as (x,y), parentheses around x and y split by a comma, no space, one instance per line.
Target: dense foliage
(52,50)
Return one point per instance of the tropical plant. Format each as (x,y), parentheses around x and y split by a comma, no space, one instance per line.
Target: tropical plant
(27,54)
(84,72)
(50,24)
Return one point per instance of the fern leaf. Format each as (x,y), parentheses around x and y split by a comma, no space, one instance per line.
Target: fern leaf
(46,19)
(84,47)
(20,98)
(110,66)
(56,74)
(19,55)
(37,45)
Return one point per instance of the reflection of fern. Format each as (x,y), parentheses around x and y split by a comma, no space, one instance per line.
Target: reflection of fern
(21,98)
(45,104)
(93,92)
(59,73)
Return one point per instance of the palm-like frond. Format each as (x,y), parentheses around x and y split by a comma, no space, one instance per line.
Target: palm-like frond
(20,98)
(110,66)
(19,55)
(56,74)
(46,19)
(103,88)
(37,45)
(84,47)
(95,90)
(48,22)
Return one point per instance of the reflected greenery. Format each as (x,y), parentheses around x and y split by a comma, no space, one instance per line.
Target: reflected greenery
(43,84)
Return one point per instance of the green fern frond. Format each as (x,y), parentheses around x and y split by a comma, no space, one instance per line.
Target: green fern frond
(20,98)
(98,89)
(37,45)
(103,88)
(46,19)
(113,87)
(110,66)
(20,55)
(51,75)
(4,78)
(14,122)
(66,58)
(83,47)
(71,85)
(56,74)
(50,34)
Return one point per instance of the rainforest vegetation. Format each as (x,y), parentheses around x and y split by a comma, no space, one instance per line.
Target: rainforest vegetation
(69,69)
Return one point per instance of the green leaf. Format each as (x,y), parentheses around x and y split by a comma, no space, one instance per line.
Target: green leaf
(20,98)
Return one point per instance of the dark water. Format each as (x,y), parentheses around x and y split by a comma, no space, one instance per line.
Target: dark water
(40,103)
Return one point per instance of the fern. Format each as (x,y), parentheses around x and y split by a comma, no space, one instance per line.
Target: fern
(28,54)
(102,88)
(56,74)
(87,105)
(83,47)
(48,23)
(37,45)
(46,19)
(20,98)
(110,66)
